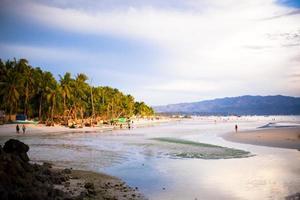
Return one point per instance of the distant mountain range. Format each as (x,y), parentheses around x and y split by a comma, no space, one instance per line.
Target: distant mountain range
(242,105)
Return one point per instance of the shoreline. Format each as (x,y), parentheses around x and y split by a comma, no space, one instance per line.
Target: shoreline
(22,179)
(9,130)
(97,185)
(105,186)
(286,137)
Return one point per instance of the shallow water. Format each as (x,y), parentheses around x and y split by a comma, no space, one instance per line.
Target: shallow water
(272,173)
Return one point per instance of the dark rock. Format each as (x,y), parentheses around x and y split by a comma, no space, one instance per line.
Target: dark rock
(21,180)
(58,193)
(67,171)
(67,184)
(293,197)
(18,148)
(47,165)
(15,146)
(1,149)
(42,178)
(91,192)
(36,167)
(89,185)
(83,194)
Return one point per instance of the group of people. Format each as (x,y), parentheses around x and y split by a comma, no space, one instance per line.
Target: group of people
(129,125)
(23,128)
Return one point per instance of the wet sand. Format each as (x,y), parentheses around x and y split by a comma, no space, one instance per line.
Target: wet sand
(21,179)
(142,159)
(288,138)
(101,186)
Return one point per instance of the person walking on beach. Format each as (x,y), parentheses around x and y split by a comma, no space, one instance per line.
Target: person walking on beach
(18,128)
(128,124)
(236,128)
(23,128)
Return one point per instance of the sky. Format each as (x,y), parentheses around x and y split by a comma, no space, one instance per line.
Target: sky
(161,52)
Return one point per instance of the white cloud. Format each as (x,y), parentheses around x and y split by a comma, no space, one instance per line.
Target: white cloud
(207,42)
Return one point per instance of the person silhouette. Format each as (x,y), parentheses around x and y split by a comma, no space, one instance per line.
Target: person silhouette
(18,128)
(23,128)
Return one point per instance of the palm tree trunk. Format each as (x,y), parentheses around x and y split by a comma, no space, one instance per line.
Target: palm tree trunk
(68,116)
(40,108)
(64,116)
(75,113)
(10,113)
(64,96)
(112,109)
(26,100)
(81,114)
(52,113)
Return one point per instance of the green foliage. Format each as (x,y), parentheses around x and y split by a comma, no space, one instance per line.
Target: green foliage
(141,109)
(36,93)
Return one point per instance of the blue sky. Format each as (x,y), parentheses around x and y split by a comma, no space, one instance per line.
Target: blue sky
(161,51)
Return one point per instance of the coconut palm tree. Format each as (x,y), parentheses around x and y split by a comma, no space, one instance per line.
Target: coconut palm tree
(81,89)
(46,82)
(25,89)
(28,84)
(51,98)
(65,84)
(66,87)
(10,91)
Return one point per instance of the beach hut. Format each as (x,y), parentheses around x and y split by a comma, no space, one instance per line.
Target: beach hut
(21,117)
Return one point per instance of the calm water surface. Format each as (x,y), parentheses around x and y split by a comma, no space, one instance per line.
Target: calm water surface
(272,173)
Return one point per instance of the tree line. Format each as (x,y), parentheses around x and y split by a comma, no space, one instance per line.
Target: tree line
(37,94)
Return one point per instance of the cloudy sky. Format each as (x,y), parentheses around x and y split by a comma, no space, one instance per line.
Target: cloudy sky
(161,51)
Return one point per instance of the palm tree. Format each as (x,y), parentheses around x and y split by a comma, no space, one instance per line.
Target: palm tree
(10,91)
(46,82)
(80,90)
(28,81)
(51,98)
(24,88)
(65,85)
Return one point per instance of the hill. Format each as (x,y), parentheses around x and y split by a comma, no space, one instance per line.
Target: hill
(242,105)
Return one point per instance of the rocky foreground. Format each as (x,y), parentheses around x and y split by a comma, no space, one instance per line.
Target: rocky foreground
(21,180)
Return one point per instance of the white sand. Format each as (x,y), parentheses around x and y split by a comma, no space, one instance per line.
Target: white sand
(275,137)
(40,129)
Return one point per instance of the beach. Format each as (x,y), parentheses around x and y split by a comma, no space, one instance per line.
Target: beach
(156,100)
(21,179)
(8,130)
(184,159)
(274,137)
(103,186)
